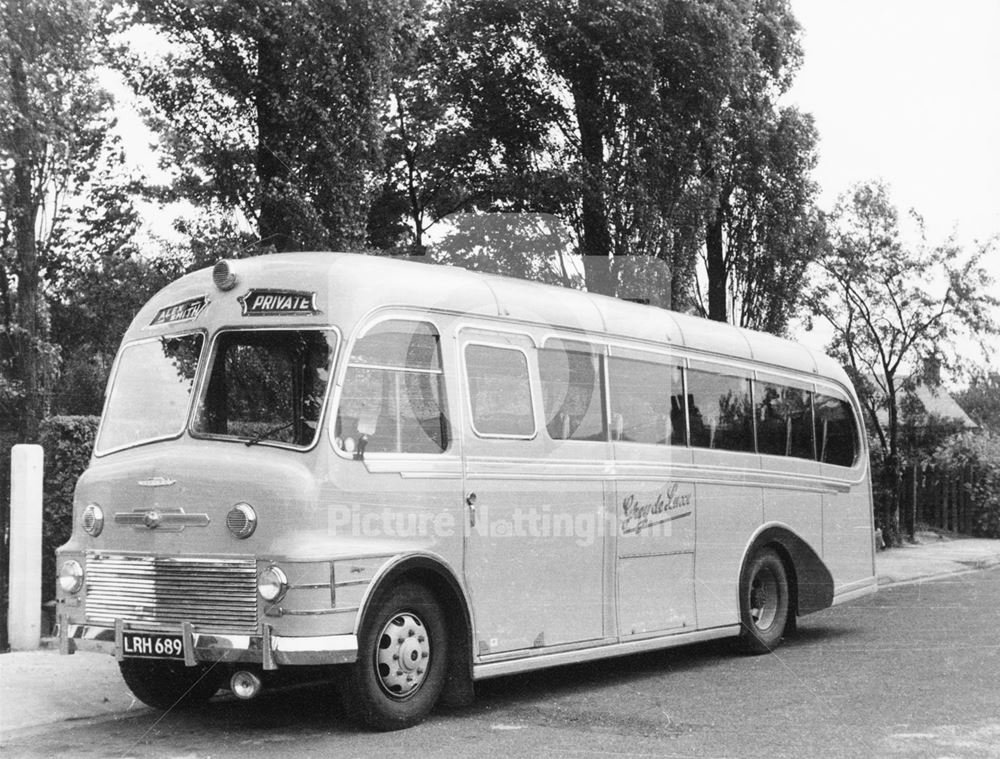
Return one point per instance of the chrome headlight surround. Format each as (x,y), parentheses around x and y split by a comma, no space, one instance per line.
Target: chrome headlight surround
(92,519)
(70,577)
(241,520)
(272,584)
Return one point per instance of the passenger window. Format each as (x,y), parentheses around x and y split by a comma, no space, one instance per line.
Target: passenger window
(393,396)
(784,420)
(836,441)
(720,412)
(646,402)
(572,391)
(499,391)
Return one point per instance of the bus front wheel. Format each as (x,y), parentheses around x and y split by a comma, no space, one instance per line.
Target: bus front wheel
(402,659)
(764,605)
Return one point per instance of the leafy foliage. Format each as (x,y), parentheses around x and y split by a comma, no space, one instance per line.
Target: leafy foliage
(53,120)
(981,400)
(894,311)
(68,442)
(979,452)
(272,108)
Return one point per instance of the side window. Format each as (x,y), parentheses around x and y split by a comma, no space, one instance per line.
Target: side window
(393,396)
(646,402)
(720,411)
(836,439)
(499,391)
(784,420)
(572,391)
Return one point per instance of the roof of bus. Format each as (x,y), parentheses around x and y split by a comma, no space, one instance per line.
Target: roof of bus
(374,282)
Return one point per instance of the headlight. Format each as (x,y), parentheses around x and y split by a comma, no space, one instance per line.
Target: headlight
(92,520)
(242,520)
(272,584)
(71,576)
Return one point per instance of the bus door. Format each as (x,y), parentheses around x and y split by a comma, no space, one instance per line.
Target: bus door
(534,552)
(654,500)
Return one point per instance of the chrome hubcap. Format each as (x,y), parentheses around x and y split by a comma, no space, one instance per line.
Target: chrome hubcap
(764,599)
(402,656)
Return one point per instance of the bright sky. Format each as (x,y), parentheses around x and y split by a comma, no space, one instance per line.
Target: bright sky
(908,91)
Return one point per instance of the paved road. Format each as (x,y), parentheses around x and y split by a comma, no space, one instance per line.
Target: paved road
(911,672)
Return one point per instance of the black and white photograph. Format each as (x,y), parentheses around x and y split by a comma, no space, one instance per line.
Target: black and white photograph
(476,378)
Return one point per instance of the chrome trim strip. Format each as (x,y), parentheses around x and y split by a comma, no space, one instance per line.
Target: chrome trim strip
(855,590)
(314,612)
(166,520)
(538,659)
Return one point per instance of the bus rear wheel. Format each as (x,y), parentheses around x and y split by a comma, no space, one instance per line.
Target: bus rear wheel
(402,658)
(764,605)
(171,685)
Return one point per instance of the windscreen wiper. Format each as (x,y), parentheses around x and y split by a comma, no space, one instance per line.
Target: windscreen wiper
(267,433)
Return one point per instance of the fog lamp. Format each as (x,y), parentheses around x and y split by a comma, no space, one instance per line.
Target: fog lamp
(71,576)
(272,584)
(92,520)
(245,684)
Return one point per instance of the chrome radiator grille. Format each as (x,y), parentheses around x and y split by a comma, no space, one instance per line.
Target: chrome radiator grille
(212,594)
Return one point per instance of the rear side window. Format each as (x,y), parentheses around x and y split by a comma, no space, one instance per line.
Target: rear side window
(646,402)
(393,396)
(784,420)
(720,411)
(572,391)
(499,391)
(836,438)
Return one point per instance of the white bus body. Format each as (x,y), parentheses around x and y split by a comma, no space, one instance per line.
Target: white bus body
(427,476)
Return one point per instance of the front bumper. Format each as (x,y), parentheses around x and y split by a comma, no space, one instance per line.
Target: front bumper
(268,650)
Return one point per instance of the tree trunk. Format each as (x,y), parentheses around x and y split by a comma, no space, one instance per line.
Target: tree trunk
(26,363)
(717,284)
(596,238)
(272,174)
(893,471)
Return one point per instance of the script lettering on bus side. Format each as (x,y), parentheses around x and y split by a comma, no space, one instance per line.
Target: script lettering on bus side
(666,507)
(278,303)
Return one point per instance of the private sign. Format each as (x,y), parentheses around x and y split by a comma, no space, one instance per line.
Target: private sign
(278,303)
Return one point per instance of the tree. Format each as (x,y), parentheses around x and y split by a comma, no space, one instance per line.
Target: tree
(272,108)
(53,119)
(634,85)
(760,231)
(895,309)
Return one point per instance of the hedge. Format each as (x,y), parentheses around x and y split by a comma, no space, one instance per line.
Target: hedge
(978,452)
(68,442)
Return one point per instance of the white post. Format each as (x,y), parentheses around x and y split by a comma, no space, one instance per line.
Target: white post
(25,609)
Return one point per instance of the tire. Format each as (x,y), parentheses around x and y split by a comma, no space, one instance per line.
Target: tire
(169,685)
(402,660)
(764,603)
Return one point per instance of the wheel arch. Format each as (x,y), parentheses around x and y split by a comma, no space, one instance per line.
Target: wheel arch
(434,573)
(809,579)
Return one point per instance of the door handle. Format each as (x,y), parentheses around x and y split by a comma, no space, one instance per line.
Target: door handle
(470,501)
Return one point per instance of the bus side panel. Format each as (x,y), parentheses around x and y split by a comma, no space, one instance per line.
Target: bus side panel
(804,510)
(848,548)
(728,514)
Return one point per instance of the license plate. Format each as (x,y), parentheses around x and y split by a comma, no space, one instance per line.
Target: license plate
(152,645)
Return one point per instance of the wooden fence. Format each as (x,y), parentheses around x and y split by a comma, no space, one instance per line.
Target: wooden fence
(938,498)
